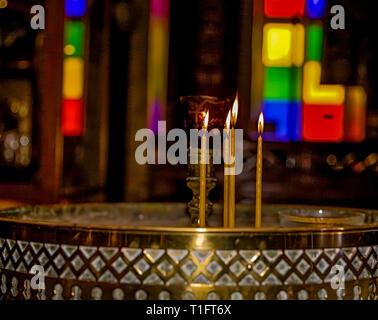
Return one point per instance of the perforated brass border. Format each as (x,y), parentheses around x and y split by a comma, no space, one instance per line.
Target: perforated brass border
(110,262)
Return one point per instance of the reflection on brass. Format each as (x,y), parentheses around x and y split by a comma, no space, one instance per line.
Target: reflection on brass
(150,251)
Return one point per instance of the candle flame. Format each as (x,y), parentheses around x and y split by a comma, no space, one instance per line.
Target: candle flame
(260,127)
(228,120)
(206,120)
(235,109)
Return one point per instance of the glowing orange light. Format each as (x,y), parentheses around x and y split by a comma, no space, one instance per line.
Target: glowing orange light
(235,109)
(355,114)
(206,120)
(260,127)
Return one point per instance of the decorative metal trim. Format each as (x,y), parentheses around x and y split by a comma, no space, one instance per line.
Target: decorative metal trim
(85,262)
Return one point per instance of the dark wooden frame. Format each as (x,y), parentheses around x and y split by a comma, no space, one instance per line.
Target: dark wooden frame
(46,181)
(45,184)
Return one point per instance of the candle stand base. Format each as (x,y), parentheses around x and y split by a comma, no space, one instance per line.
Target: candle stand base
(150,251)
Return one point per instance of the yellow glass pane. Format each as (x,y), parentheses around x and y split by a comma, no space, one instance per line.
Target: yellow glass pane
(277,40)
(298,45)
(283,45)
(314,92)
(73,78)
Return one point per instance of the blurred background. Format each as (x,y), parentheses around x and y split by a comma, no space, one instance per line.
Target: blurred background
(73,95)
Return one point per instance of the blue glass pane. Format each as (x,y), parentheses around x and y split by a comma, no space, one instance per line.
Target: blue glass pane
(295,121)
(276,118)
(75,8)
(315,9)
(283,119)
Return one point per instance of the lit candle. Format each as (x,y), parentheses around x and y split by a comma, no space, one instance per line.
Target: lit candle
(226,193)
(259,164)
(231,217)
(202,208)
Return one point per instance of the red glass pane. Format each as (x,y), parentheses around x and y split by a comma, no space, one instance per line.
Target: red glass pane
(323,122)
(284,8)
(72,121)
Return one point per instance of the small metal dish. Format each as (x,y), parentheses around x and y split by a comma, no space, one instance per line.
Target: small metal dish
(319,217)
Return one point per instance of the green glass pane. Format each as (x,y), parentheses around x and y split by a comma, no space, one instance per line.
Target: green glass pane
(296,84)
(74,39)
(314,42)
(282,83)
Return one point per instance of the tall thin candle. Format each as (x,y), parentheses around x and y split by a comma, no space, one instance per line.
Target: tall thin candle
(226,193)
(202,208)
(231,218)
(259,165)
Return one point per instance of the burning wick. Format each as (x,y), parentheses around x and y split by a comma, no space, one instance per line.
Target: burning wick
(202,207)
(235,109)
(259,164)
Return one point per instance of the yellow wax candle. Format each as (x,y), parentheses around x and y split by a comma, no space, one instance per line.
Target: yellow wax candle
(226,200)
(202,207)
(226,193)
(259,165)
(231,216)
(231,219)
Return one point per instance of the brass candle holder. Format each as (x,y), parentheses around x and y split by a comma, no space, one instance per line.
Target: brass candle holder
(195,108)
